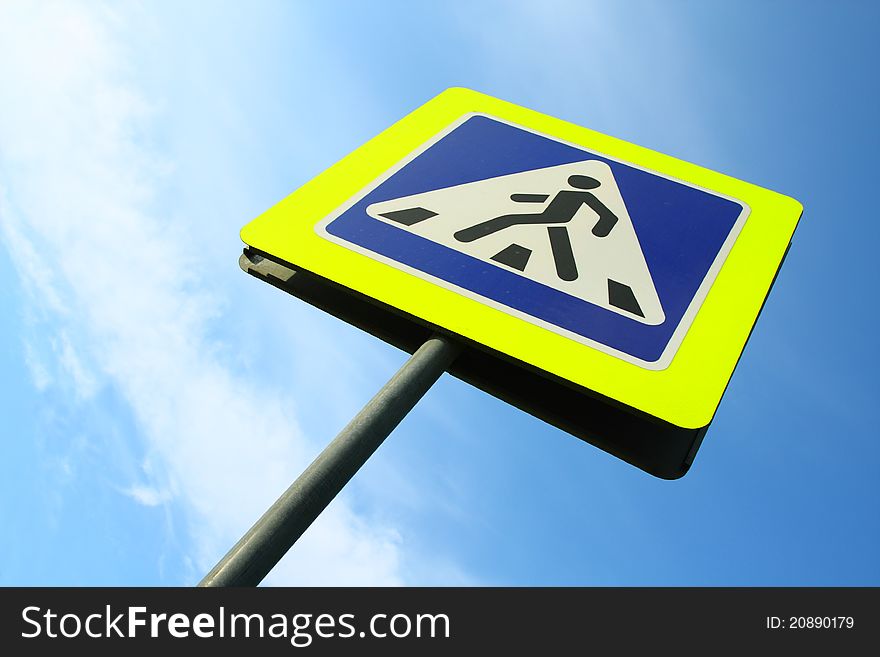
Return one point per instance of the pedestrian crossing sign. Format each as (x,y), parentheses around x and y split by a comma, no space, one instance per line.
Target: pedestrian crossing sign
(625,273)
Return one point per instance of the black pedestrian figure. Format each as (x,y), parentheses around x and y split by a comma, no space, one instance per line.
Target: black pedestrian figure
(560,211)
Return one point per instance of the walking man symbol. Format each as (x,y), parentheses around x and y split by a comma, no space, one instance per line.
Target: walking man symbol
(560,210)
(579,241)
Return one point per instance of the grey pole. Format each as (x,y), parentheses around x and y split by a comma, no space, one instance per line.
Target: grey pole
(251,559)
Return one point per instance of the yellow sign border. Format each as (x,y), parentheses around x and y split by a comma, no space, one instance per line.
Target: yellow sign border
(686,393)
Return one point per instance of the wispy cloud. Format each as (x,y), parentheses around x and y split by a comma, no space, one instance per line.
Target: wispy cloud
(83,380)
(36,366)
(148,495)
(589,69)
(104,267)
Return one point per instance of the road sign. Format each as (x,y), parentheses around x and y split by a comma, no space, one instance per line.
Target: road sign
(573,245)
(599,285)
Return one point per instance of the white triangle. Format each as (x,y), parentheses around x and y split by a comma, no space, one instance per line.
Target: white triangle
(615,257)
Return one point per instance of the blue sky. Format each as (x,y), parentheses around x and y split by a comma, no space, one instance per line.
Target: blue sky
(155,399)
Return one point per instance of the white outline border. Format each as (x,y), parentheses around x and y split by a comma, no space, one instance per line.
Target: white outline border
(684,323)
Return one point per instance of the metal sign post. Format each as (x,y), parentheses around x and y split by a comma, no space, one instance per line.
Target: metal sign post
(251,559)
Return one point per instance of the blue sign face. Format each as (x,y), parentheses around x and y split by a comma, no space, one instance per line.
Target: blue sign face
(604,252)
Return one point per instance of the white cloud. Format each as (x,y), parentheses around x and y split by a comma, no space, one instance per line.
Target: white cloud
(39,283)
(36,366)
(147,495)
(80,220)
(590,71)
(84,381)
